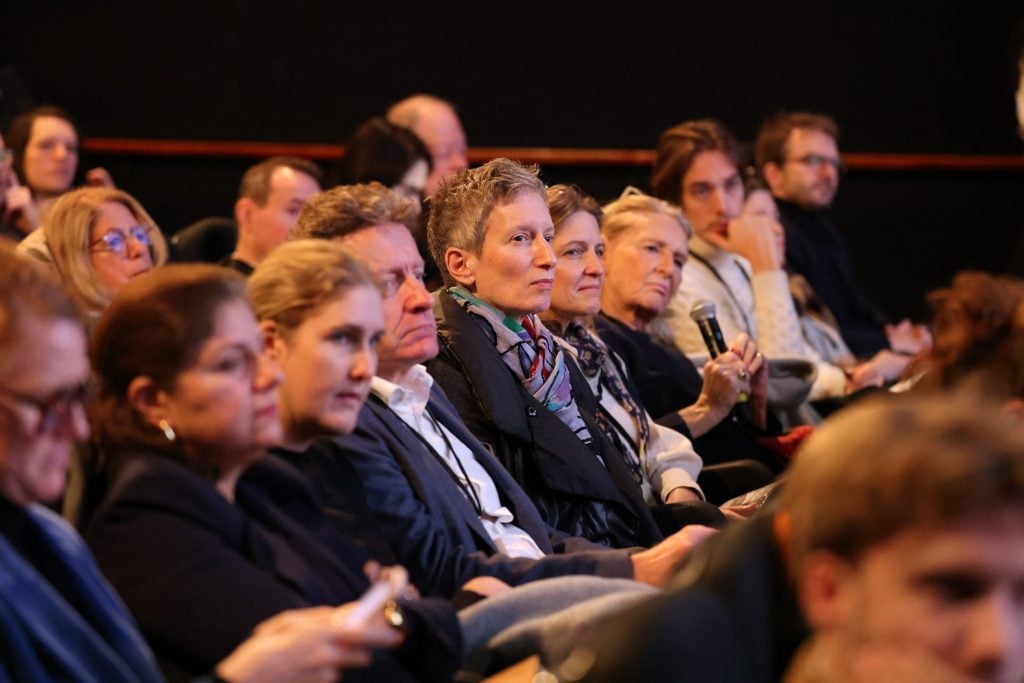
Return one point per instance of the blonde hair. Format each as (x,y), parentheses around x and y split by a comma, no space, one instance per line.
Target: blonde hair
(300,276)
(622,214)
(68,232)
(460,209)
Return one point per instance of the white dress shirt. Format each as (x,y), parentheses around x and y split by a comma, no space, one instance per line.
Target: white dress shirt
(409,402)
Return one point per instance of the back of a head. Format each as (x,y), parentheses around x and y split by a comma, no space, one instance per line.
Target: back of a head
(155,327)
(27,291)
(408,111)
(978,331)
(345,209)
(382,151)
(678,147)
(898,463)
(773,135)
(460,208)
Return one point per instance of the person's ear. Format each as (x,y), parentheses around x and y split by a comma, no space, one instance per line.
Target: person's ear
(274,344)
(461,265)
(772,173)
(149,400)
(243,211)
(827,589)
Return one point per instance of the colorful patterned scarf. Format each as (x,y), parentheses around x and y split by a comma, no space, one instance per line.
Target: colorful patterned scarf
(595,359)
(529,350)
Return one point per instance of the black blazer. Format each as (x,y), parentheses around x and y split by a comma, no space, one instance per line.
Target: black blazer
(563,476)
(424,515)
(199,573)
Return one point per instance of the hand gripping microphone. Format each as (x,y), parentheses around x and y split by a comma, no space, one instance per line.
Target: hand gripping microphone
(703,313)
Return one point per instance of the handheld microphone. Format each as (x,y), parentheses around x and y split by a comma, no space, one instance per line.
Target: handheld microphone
(703,313)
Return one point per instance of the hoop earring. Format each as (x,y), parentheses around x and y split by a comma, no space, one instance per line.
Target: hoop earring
(167,430)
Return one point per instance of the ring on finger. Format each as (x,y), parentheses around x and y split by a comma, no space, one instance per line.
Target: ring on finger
(743,374)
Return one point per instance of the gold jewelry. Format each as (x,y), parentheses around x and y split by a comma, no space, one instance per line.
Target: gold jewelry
(393,615)
(167,430)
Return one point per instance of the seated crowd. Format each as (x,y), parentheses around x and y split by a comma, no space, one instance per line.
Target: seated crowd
(297,461)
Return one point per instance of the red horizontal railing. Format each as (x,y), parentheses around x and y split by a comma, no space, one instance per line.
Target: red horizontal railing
(547,156)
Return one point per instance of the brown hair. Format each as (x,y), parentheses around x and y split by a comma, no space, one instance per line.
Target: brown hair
(567,199)
(255,183)
(460,209)
(890,464)
(679,146)
(19,133)
(345,209)
(978,330)
(772,143)
(155,327)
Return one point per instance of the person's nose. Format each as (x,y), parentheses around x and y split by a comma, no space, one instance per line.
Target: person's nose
(364,363)
(417,298)
(268,373)
(134,248)
(543,254)
(594,265)
(994,646)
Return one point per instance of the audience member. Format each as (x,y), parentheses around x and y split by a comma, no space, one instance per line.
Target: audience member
(646,248)
(199,552)
(58,617)
(446,507)
(435,122)
(270,198)
(489,232)
(899,543)
(389,154)
(45,144)
(97,239)
(798,155)
(17,210)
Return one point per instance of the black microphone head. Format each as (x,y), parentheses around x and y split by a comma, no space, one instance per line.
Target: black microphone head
(703,310)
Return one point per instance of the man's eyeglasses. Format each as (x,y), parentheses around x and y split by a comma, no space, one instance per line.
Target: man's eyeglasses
(115,240)
(816,162)
(54,409)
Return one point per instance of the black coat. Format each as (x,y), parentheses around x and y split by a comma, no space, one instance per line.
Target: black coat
(563,476)
(667,381)
(199,573)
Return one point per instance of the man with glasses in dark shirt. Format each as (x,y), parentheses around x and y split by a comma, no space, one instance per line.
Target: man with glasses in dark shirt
(798,155)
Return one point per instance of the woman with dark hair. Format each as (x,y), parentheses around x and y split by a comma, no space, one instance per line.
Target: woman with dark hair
(388,153)
(45,143)
(200,553)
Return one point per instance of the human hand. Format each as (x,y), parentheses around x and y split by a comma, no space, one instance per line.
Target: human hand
(897,662)
(305,645)
(884,366)
(739,512)
(757,370)
(487,586)
(908,338)
(657,565)
(755,238)
(98,177)
(681,495)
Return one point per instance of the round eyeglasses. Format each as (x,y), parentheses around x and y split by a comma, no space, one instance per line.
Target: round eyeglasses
(55,409)
(115,240)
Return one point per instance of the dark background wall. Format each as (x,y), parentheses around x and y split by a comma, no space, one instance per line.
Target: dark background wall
(900,77)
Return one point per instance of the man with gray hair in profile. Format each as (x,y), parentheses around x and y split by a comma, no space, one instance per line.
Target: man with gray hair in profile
(435,122)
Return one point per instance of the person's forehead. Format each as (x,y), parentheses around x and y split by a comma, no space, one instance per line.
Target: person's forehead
(290,180)
(383,247)
(526,208)
(810,139)
(710,166)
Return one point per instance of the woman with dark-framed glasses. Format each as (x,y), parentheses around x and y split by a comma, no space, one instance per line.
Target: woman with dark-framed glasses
(98,239)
